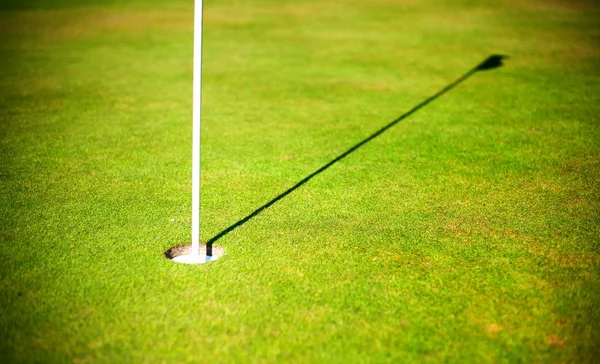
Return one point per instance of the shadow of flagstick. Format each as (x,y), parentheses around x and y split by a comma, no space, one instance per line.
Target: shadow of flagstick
(492,62)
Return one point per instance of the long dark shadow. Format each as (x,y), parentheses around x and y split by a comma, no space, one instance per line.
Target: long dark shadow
(493,61)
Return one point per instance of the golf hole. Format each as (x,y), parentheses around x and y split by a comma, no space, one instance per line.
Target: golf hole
(183,254)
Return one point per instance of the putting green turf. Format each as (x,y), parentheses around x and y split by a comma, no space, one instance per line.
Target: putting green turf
(467,233)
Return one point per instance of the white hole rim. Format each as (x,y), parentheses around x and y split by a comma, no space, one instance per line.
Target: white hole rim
(183,254)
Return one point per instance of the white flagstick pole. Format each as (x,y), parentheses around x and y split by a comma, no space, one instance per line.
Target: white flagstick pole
(197,95)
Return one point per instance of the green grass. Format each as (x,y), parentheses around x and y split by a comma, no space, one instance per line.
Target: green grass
(467,233)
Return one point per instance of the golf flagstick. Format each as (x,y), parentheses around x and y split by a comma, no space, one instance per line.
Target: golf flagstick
(197,106)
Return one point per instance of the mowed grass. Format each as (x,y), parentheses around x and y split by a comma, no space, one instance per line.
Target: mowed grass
(467,233)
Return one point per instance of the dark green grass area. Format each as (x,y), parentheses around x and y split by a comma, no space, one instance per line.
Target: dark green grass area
(469,232)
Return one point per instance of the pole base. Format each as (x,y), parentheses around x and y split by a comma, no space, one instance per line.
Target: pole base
(183,254)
